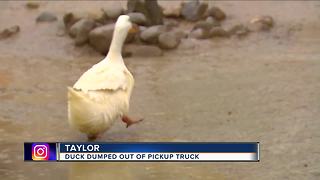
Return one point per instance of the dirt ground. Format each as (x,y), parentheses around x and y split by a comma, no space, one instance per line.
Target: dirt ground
(264,87)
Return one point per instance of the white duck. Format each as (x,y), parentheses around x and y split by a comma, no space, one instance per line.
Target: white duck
(102,94)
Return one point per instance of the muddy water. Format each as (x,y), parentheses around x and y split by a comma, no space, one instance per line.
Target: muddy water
(264,88)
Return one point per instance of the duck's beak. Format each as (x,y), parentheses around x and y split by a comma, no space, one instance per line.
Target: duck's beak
(134,29)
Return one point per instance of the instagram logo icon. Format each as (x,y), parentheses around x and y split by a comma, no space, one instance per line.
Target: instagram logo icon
(40,152)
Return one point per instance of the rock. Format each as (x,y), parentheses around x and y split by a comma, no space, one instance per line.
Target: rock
(80,25)
(262,23)
(150,9)
(80,30)
(8,32)
(268,20)
(180,34)
(130,38)
(199,34)
(142,28)
(151,34)
(216,13)
(32,5)
(126,53)
(211,20)
(100,38)
(143,50)
(98,16)
(113,12)
(70,18)
(46,17)
(239,30)
(205,29)
(218,32)
(204,25)
(138,18)
(172,12)
(168,40)
(170,23)
(194,10)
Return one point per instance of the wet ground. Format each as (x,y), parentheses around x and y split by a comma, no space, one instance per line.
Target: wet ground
(264,87)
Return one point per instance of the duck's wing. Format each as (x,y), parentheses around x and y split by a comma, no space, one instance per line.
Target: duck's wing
(102,77)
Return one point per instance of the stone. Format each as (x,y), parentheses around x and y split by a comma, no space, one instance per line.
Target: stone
(32,5)
(216,13)
(199,34)
(113,12)
(98,16)
(80,30)
(143,50)
(261,23)
(168,40)
(151,34)
(138,18)
(100,38)
(171,23)
(203,25)
(206,26)
(71,18)
(194,10)
(172,12)
(211,20)
(150,8)
(218,32)
(46,17)
(126,53)
(142,28)
(180,34)
(8,32)
(84,23)
(239,30)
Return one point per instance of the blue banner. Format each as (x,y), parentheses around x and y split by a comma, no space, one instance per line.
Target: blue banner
(143,152)
(149,147)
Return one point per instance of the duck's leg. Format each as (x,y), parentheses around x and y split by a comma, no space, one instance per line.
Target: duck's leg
(130,121)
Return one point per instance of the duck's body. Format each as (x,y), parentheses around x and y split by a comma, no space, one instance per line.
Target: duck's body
(102,94)
(94,111)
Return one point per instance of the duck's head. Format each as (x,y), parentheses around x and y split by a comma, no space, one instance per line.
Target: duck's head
(124,24)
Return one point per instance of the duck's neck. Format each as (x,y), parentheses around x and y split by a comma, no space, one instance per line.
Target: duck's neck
(118,38)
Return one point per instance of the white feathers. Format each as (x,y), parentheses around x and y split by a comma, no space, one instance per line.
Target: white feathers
(103,76)
(102,94)
(94,112)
